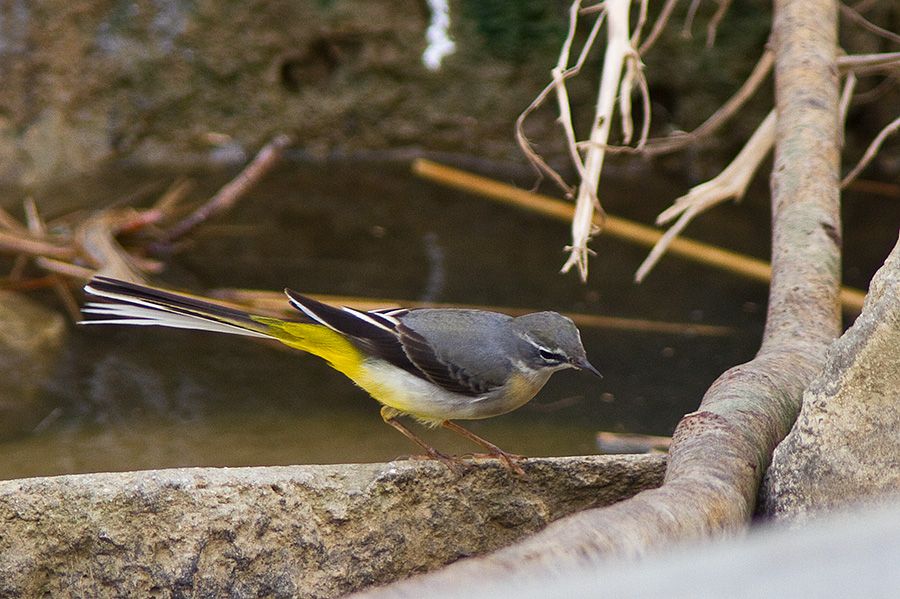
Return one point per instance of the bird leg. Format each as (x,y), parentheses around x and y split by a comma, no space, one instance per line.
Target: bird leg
(510,460)
(389,417)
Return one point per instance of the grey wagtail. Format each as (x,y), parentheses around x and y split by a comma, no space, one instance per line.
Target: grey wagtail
(436,365)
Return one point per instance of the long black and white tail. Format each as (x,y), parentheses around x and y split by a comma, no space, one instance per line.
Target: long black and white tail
(132,304)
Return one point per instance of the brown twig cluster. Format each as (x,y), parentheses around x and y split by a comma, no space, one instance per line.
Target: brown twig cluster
(119,241)
(622,71)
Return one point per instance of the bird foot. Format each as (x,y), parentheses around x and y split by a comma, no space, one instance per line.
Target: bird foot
(510,461)
(453,463)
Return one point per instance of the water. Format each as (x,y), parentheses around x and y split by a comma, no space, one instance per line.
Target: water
(125,399)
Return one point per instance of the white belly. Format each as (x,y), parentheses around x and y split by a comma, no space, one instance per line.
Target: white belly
(409,394)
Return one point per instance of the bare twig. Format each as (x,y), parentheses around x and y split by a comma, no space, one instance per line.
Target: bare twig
(730,183)
(689,18)
(661,21)
(37,227)
(639,26)
(721,116)
(174,195)
(559,75)
(32,219)
(871,151)
(880,188)
(869,62)
(876,93)
(864,5)
(713,26)
(562,96)
(18,243)
(733,180)
(634,73)
(96,236)
(860,20)
(846,98)
(65,268)
(226,197)
(645,101)
(664,145)
(847,95)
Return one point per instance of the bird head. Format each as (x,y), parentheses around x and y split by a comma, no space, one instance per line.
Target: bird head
(552,341)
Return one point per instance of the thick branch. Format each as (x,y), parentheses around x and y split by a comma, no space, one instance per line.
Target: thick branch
(719,453)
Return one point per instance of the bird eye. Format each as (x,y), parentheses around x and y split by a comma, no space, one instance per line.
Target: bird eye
(551,357)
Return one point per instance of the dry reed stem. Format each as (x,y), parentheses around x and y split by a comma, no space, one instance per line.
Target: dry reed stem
(272,301)
(620,228)
(618,48)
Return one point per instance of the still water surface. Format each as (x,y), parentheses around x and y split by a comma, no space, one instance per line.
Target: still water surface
(124,399)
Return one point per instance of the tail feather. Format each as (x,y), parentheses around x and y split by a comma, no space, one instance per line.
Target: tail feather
(132,304)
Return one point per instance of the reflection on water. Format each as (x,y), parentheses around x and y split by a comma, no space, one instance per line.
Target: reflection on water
(125,399)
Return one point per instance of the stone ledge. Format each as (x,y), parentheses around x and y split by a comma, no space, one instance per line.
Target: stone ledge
(312,531)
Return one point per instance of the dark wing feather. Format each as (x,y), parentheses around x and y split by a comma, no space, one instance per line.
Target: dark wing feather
(375,335)
(382,334)
(443,374)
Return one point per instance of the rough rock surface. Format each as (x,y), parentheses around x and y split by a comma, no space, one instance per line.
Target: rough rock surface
(845,445)
(30,339)
(309,531)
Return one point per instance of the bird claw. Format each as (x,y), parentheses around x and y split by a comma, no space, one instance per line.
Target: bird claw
(510,461)
(454,464)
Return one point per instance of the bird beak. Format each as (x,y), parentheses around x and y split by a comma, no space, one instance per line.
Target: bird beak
(583,364)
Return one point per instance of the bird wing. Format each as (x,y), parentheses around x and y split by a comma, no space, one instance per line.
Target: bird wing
(382,333)
(448,375)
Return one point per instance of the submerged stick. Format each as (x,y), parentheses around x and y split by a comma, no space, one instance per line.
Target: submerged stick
(273,301)
(617,227)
